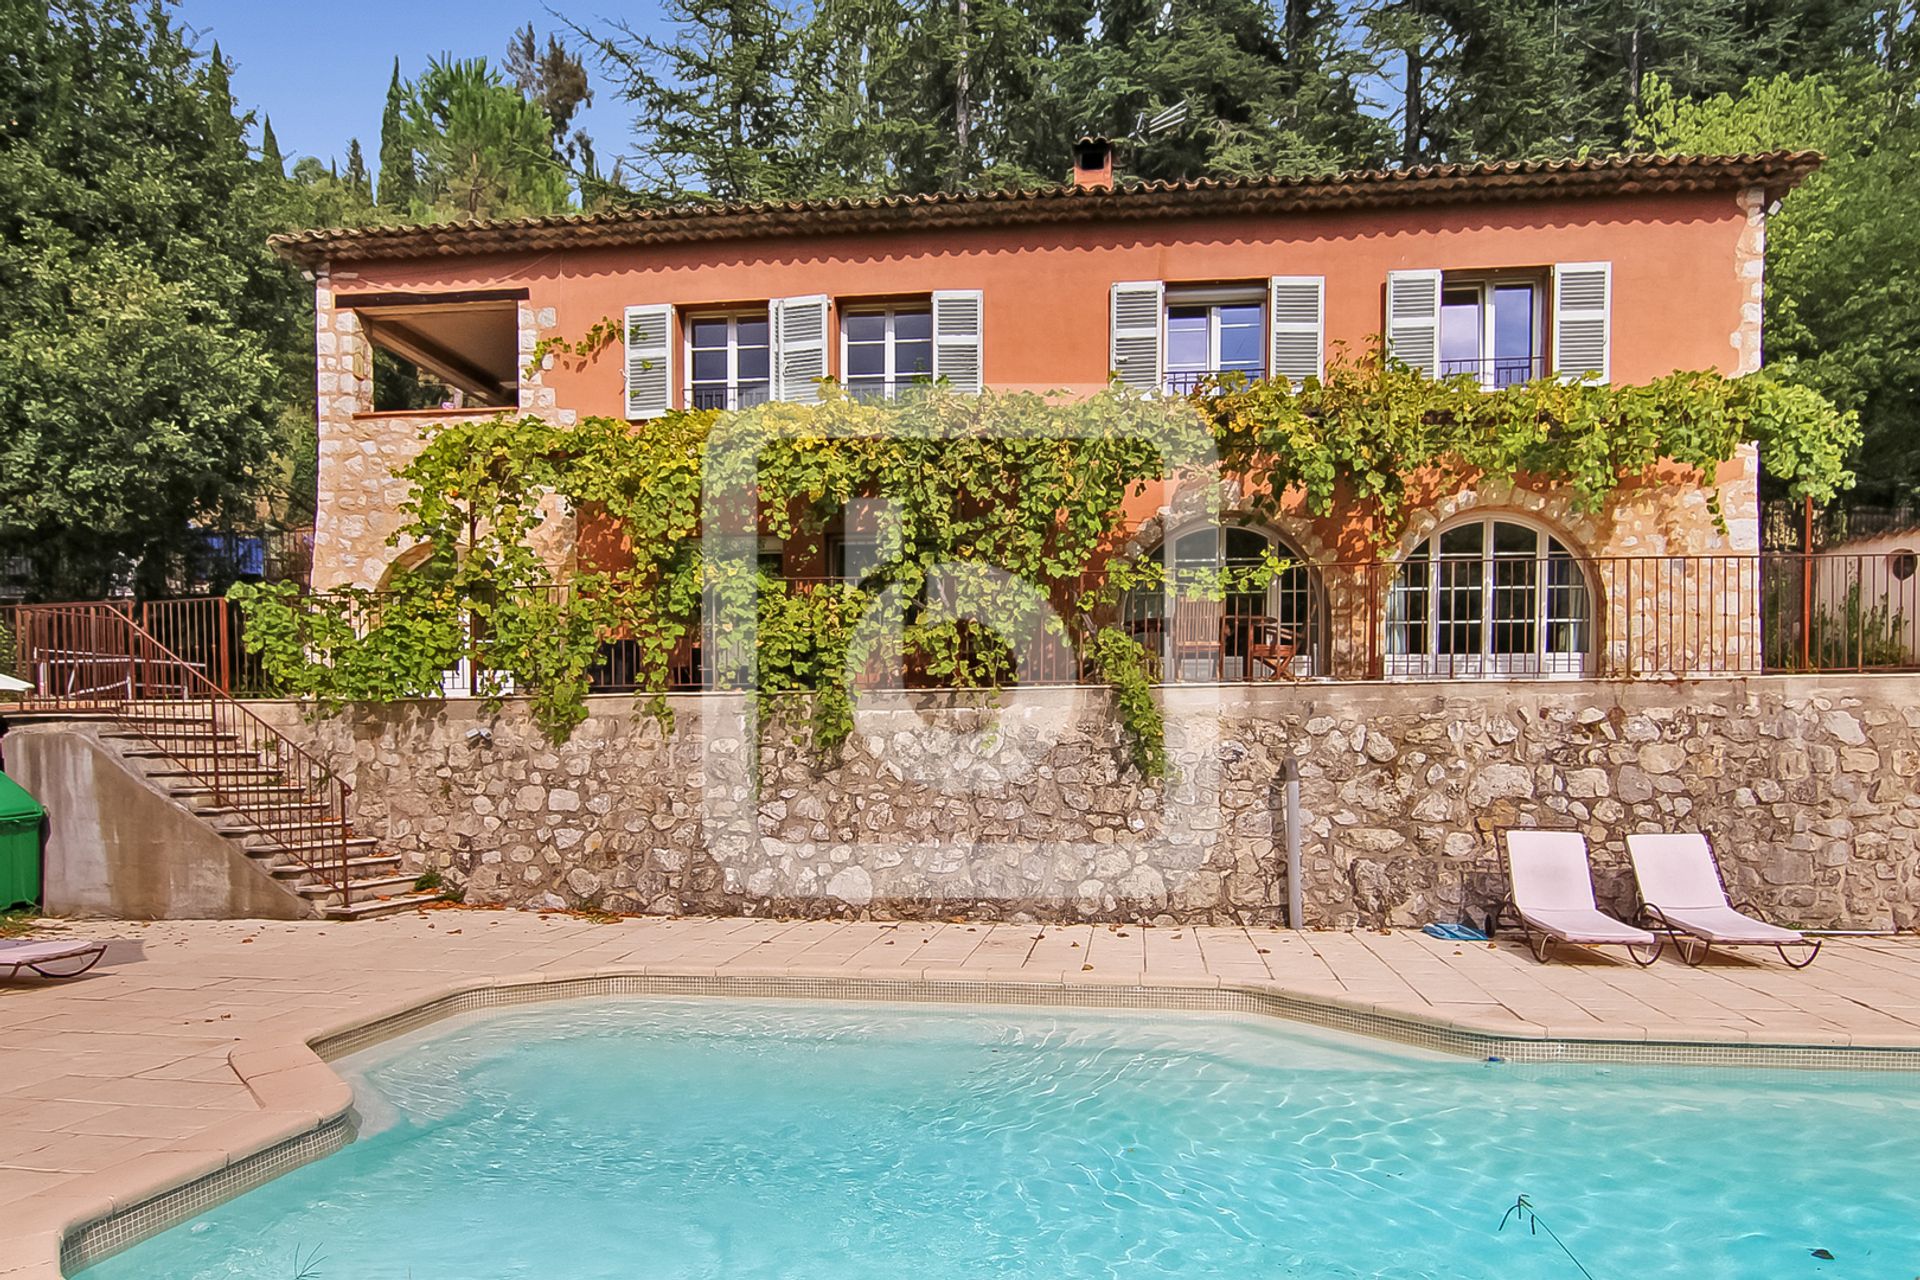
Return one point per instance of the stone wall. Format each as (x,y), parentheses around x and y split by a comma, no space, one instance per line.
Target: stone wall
(362,451)
(939,805)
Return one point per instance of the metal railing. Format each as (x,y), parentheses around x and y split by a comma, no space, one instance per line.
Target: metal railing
(728,395)
(1448,618)
(1184,382)
(1497,371)
(97,658)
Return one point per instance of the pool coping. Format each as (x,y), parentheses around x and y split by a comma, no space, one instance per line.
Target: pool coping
(307,1108)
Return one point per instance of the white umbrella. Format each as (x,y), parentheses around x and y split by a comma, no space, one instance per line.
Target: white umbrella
(9,684)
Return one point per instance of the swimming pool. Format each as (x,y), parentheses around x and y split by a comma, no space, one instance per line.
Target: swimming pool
(734,1138)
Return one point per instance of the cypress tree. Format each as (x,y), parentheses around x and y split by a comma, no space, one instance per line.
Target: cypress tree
(399,182)
(357,181)
(270,149)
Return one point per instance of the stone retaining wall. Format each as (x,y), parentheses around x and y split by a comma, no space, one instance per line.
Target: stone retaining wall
(942,806)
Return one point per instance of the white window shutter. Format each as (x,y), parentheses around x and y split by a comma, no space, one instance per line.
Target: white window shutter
(1413,319)
(1136,346)
(958,316)
(649,340)
(1297,321)
(1583,321)
(799,327)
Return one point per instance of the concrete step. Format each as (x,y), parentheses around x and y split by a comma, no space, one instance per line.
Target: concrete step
(300,851)
(355,867)
(364,909)
(263,790)
(306,828)
(269,808)
(197,756)
(371,887)
(246,776)
(166,733)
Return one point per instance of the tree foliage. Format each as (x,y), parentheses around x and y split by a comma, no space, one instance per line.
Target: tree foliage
(1843,252)
(141,329)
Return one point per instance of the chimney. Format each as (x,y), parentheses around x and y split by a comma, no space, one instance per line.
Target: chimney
(1093,164)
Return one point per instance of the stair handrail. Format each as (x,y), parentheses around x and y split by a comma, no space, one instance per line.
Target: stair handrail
(150,668)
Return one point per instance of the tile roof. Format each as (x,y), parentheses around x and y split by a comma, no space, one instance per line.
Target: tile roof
(1775,172)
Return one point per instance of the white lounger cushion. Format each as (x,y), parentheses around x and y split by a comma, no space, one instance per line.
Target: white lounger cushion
(1724,924)
(1553,891)
(1677,876)
(1590,925)
(27,951)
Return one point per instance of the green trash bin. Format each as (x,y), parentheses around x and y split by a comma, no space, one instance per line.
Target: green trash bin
(20,818)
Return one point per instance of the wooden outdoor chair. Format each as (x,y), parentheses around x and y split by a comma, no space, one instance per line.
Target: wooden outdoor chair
(1272,646)
(1199,631)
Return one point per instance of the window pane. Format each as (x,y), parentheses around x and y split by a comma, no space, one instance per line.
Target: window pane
(868,358)
(710,366)
(1240,348)
(1460,331)
(752,331)
(709,333)
(871,327)
(1513,320)
(1514,540)
(912,325)
(1516,603)
(1245,547)
(753,363)
(910,358)
(1460,605)
(1240,313)
(1466,540)
(1199,547)
(1187,346)
(1513,330)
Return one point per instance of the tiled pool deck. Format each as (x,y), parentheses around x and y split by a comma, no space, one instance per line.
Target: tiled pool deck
(187,1048)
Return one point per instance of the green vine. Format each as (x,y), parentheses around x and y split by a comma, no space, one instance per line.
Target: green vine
(991,521)
(599,334)
(1371,428)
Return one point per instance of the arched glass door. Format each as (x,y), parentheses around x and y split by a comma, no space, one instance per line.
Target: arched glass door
(1489,597)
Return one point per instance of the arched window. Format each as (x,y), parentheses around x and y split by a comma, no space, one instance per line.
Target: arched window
(1490,596)
(1254,634)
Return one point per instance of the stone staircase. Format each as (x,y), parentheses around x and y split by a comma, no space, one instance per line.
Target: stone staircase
(191,742)
(256,807)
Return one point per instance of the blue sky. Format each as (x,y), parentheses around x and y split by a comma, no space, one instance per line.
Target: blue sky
(319,68)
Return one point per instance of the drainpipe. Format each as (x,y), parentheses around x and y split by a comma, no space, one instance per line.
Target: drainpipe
(1296,895)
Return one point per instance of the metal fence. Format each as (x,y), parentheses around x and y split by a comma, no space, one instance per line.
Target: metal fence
(1438,618)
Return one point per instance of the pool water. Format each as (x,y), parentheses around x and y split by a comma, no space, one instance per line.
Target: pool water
(684,1138)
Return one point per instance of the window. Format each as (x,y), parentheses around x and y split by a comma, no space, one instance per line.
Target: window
(1492,597)
(1491,330)
(1205,339)
(884,349)
(1202,638)
(728,360)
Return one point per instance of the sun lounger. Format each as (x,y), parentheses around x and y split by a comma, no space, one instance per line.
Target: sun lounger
(1681,892)
(27,953)
(1551,894)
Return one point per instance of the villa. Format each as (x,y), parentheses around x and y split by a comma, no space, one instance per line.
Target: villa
(1622,269)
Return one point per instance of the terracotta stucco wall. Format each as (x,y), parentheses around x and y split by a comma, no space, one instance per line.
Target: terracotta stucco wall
(1686,288)
(1680,280)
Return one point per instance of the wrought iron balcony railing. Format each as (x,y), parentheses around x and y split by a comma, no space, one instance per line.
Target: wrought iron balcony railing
(1497,371)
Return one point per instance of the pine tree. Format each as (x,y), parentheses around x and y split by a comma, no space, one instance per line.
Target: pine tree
(482,150)
(555,80)
(399,181)
(715,102)
(270,149)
